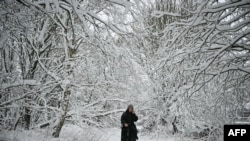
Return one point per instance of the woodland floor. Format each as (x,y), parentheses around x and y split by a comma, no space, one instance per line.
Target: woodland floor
(74,133)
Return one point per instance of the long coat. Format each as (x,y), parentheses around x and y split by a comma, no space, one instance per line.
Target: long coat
(129,133)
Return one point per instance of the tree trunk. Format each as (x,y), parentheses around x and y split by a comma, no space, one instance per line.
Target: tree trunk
(28,110)
(27,118)
(67,93)
(69,53)
(66,96)
(175,130)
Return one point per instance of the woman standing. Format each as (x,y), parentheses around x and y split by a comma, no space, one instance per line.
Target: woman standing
(129,130)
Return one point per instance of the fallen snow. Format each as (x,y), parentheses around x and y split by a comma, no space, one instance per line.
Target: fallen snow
(75,133)
(113,134)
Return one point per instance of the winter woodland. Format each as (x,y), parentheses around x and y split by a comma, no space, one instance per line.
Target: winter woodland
(69,68)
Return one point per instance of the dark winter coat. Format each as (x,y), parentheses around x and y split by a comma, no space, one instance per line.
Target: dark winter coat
(129,133)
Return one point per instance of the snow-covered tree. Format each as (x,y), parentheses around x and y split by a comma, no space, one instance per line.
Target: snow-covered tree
(197,53)
(185,63)
(66,49)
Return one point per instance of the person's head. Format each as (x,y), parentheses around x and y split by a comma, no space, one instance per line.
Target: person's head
(130,108)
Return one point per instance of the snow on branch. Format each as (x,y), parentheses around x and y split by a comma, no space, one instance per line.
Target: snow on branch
(212,58)
(37,7)
(110,26)
(123,3)
(107,113)
(15,99)
(159,14)
(19,83)
(227,5)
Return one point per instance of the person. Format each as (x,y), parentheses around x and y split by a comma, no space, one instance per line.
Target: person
(129,130)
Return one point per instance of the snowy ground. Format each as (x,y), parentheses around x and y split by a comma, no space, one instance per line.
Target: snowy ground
(74,133)
(114,135)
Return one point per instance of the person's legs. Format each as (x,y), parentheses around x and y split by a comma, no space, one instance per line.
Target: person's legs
(132,139)
(125,139)
(124,136)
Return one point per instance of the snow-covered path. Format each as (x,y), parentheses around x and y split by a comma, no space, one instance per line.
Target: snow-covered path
(74,133)
(113,134)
